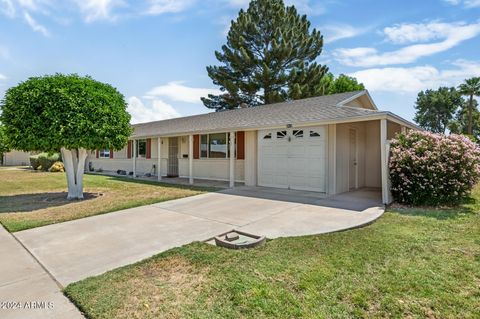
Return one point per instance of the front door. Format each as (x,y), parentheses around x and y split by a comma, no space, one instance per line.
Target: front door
(352,171)
(172,157)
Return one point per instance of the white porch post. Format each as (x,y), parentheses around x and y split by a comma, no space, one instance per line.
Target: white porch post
(159,160)
(134,158)
(403,129)
(383,159)
(232,160)
(190,159)
(332,160)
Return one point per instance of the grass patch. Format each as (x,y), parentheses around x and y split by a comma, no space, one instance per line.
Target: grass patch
(411,263)
(30,199)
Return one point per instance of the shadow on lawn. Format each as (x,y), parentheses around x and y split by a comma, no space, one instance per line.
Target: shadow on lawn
(440,213)
(156,183)
(33,202)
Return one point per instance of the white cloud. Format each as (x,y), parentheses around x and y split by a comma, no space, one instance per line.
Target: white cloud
(455,33)
(335,32)
(415,79)
(178,92)
(418,32)
(94,10)
(465,3)
(157,7)
(157,110)
(303,6)
(35,25)
(37,6)
(2,77)
(31,5)
(307,7)
(7,8)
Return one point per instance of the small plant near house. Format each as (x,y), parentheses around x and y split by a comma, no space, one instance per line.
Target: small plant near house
(34,163)
(57,167)
(44,161)
(433,169)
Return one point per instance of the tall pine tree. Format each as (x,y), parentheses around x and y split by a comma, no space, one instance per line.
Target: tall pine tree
(269,57)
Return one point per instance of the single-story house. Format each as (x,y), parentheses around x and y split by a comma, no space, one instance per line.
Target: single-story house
(329,144)
(15,158)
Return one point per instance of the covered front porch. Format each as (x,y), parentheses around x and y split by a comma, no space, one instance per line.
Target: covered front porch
(211,159)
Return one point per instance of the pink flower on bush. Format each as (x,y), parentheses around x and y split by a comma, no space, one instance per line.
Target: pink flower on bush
(433,169)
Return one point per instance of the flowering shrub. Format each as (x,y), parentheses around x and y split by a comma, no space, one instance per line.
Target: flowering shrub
(57,167)
(433,169)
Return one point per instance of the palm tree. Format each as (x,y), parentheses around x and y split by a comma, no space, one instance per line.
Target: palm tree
(471,88)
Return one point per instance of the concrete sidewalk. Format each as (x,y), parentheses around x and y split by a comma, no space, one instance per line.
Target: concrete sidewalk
(26,289)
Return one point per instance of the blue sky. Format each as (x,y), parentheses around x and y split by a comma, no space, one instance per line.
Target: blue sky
(155,51)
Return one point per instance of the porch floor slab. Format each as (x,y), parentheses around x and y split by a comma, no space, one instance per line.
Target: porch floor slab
(174,180)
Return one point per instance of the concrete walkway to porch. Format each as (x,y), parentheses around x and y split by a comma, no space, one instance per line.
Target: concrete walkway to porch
(77,249)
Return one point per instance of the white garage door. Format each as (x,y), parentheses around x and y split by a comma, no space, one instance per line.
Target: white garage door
(293,158)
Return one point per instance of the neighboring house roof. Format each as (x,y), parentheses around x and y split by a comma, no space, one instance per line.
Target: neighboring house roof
(310,110)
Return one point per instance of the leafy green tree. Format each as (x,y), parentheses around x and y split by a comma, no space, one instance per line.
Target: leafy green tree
(343,83)
(269,57)
(4,148)
(66,113)
(460,124)
(470,88)
(436,108)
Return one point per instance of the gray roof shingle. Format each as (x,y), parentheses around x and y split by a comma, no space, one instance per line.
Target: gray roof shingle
(322,108)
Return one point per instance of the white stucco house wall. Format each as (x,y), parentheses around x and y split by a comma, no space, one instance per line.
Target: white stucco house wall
(16,158)
(329,144)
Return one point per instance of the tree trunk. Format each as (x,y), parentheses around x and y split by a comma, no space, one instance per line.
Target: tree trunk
(74,162)
(470,107)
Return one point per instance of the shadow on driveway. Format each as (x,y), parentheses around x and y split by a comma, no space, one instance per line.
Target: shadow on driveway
(357,200)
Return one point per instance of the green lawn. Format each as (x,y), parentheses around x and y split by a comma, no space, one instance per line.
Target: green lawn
(30,199)
(411,263)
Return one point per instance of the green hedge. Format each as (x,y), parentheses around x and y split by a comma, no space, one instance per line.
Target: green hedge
(44,161)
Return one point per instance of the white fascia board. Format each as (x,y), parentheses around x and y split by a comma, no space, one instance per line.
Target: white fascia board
(356,96)
(400,120)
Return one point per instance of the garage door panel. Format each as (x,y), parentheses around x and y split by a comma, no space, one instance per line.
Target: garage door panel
(281,180)
(316,170)
(296,161)
(316,151)
(280,150)
(297,150)
(297,166)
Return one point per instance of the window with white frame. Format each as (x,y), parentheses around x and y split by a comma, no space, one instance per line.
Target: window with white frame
(204,146)
(297,133)
(281,134)
(141,148)
(215,145)
(314,134)
(105,153)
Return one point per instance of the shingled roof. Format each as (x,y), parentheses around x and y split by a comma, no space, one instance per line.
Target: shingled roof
(316,109)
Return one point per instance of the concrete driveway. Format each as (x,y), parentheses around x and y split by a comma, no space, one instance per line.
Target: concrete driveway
(75,250)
